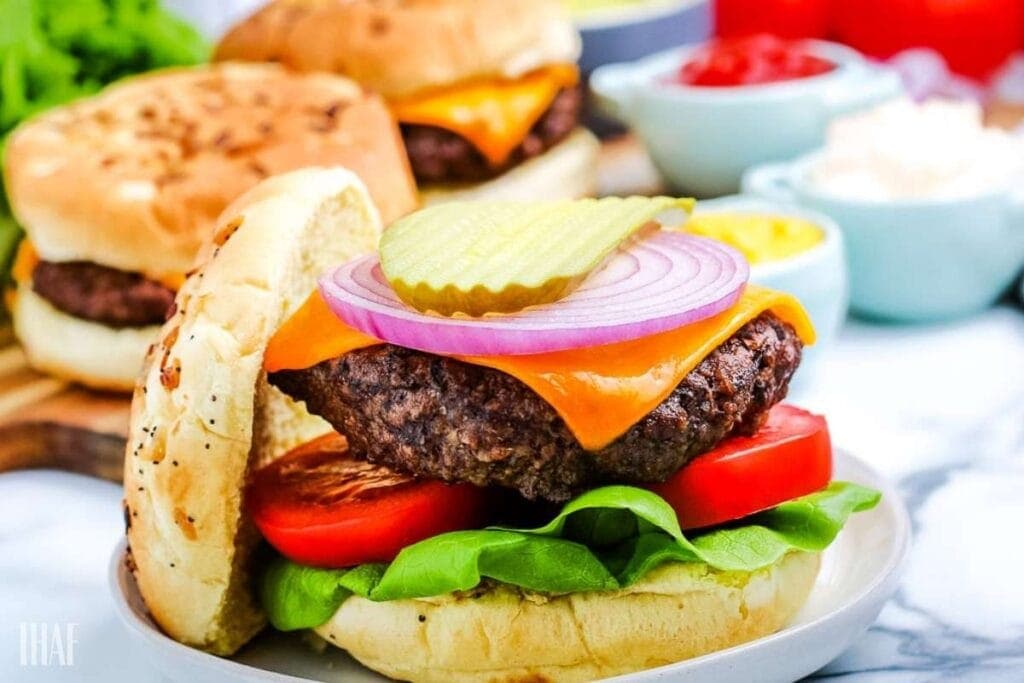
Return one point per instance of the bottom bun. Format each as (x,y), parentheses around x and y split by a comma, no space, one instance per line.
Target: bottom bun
(79,350)
(566,171)
(676,612)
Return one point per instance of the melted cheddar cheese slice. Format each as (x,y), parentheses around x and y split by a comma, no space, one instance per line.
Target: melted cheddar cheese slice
(494,115)
(24,262)
(600,392)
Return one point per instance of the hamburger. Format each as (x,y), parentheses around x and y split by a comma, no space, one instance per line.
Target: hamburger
(117,192)
(486,92)
(594,477)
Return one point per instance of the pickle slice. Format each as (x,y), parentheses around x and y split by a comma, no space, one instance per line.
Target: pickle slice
(499,257)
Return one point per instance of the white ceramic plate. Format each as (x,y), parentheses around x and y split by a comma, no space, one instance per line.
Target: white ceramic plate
(859,573)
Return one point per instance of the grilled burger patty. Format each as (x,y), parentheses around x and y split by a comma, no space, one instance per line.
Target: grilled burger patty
(439,156)
(441,418)
(115,298)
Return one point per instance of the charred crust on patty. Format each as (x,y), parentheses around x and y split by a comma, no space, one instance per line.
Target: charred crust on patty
(437,417)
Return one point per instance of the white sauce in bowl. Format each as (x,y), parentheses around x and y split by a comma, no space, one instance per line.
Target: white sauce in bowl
(902,150)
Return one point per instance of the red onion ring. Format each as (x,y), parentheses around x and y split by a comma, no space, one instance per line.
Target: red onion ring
(663,282)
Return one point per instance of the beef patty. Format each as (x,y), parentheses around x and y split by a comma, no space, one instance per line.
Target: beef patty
(441,418)
(115,298)
(441,156)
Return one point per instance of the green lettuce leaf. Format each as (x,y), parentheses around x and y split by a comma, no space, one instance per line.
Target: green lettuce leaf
(458,561)
(298,596)
(55,51)
(10,235)
(605,539)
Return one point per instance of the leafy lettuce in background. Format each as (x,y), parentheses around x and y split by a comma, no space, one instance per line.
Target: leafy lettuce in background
(605,539)
(53,51)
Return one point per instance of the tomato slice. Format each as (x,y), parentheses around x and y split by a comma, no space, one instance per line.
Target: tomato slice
(319,506)
(789,457)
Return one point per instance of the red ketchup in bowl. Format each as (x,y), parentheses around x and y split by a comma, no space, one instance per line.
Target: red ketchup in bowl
(751,60)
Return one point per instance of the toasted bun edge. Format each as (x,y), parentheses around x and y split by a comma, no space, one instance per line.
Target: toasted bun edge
(677,611)
(194,431)
(404,49)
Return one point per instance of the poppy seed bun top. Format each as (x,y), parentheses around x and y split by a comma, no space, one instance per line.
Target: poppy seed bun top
(196,413)
(400,47)
(135,177)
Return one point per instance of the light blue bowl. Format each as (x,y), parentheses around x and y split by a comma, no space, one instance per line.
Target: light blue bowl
(703,138)
(817,277)
(914,260)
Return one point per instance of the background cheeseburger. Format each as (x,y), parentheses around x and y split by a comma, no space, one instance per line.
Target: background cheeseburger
(565,457)
(486,91)
(117,192)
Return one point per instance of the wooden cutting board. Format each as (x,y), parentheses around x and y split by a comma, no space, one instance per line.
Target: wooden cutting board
(48,423)
(45,422)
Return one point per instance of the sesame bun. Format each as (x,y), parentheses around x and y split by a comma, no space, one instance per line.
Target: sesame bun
(134,178)
(676,612)
(98,356)
(198,413)
(400,48)
(566,171)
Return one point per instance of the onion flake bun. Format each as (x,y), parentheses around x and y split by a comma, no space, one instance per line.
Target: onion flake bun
(400,48)
(499,633)
(196,415)
(134,177)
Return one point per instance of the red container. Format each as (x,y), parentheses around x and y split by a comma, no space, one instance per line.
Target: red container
(784,18)
(975,36)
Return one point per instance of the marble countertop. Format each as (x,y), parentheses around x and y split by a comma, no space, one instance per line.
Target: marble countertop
(940,409)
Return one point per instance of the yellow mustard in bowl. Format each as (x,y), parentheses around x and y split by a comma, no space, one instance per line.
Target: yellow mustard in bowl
(760,237)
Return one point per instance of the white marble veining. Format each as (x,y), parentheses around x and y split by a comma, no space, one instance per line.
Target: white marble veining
(939,408)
